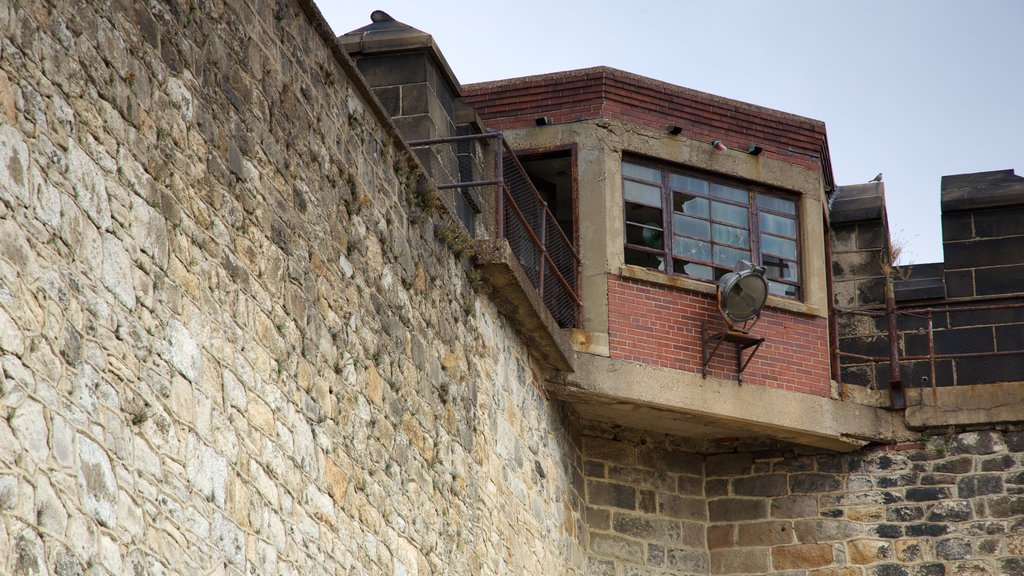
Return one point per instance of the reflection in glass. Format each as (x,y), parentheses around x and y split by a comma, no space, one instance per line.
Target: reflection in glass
(734,236)
(641,172)
(780,225)
(693,269)
(776,204)
(730,193)
(689,204)
(728,257)
(778,246)
(691,249)
(642,193)
(730,213)
(680,182)
(691,227)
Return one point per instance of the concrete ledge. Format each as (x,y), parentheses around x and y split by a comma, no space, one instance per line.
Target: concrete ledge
(965,405)
(517,299)
(682,403)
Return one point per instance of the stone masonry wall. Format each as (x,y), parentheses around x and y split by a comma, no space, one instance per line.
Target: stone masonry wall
(226,347)
(949,505)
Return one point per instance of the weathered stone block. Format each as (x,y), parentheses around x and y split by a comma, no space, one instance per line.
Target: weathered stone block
(762,485)
(728,464)
(982,442)
(721,536)
(682,507)
(863,552)
(740,561)
(687,561)
(904,513)
(951,511)
(733,509)
(614,451)
(646,527)
(794,507)
(616,547)
(765,534)
(814,482)
(801,556)
(927,494)
(979,485)
(601,493)
(824,530)
(953,549)
(1005,506)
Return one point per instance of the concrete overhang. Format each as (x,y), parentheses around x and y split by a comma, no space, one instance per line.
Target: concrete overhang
(515,297)
(978,404)
(682,403)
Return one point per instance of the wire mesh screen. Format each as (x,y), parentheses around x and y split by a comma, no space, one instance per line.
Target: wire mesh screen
(540,245)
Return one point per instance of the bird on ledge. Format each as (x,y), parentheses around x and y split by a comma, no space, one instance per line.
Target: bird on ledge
(877,178)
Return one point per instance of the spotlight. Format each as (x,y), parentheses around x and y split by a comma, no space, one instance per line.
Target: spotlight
(543,120)
(719,146)
(754,150)
(674,130)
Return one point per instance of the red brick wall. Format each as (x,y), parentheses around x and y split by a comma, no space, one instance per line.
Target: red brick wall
(606,92)
(660,325)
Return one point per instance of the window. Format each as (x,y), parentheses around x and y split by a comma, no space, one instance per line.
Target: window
(696,225)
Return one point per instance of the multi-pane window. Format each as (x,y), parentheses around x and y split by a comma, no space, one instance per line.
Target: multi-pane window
(690,224)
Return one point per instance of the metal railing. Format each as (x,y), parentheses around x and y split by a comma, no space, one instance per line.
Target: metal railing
(522,217)
(940,345)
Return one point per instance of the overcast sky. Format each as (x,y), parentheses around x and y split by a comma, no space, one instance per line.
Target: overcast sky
(915,89)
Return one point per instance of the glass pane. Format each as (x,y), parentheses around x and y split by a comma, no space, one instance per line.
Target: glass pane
(734,194)
(780,269)
(736,215)
(641,235)
(689,204)
(691,227)
(777,204)
(647,260)
(680,182)
(690,249)
(642,193)
(778,246)
(728,257)
(735,236)
(693,269)
(780,289)
(641,172)
(778,225)
(641,214)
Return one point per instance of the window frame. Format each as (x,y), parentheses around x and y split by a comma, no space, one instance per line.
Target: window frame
(753,208)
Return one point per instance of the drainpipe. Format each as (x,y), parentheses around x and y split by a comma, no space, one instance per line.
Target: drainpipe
(897,398)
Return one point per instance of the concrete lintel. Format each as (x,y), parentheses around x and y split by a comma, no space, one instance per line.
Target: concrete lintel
(965,405)
(516,298)
(665,400)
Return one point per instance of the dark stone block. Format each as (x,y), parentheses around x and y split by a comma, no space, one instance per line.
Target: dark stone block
(814,482)
(593,468)
(917,530)
(999,463)
(957,226)
(964,340)
(613,495)
(766,485)
(728,464)
(927,494)
(1014,441)
(647,501)
(859,375)
(954,549)
(997,223)
(655,555)
(415,99)
(871,292)
(999,280)
(1006,506)
(983,253)
(904,513)
(985,370)
(833,463)
(962,464)
(986,317)
(929,570)
(394,69)
(679,461)
(832,513)
(1010,337)
(1011,566)
(959,283)
(951,511)
(734,509)
(690,486)
(905,479)
(391,98)
(1016,479)
(938,479)
(980,485)
(871,235)
(889,531)
(716,487)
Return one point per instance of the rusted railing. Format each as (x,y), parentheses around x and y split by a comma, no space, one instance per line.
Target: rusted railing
(940,345)
(522,217)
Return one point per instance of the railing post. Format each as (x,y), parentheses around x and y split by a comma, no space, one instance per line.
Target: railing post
(499,201)
(543,248)
(897,398)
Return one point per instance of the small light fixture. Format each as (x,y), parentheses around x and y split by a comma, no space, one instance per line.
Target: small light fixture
(674,130)
(543,120)
(754,150)
(719,146)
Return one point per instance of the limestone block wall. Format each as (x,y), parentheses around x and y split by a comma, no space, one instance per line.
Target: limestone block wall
(225,347)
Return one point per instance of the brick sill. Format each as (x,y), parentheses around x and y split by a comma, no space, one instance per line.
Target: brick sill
(655,277)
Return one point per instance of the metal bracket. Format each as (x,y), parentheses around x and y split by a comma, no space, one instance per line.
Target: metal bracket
(742,340)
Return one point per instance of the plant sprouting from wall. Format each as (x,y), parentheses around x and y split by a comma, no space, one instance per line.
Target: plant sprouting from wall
(457,239)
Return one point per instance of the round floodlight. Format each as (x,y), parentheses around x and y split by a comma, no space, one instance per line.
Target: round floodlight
(742,293)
